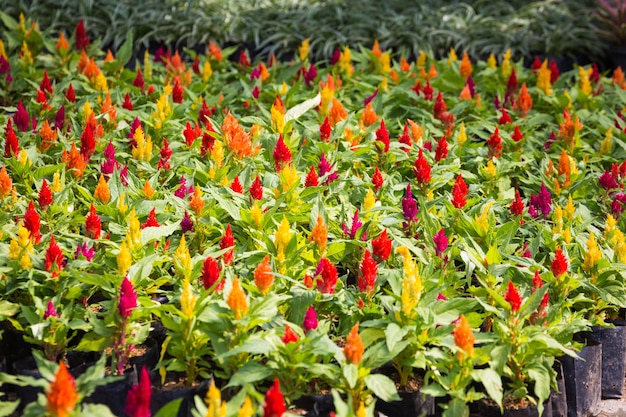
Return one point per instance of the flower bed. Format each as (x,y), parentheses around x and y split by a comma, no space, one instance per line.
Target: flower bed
(352,227)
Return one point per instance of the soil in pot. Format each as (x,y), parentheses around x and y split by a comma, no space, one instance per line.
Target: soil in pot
(613,342)
(583,380)
(520,408)
(412,401)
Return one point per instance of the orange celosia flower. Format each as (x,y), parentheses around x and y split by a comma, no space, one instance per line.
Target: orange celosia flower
(215,51)
(108,108)
(263,276)
(618,78)
(466,66)
(524,102)
(466,94)
(353,350)
(236,300)
(109,57)
(6,183)
(394,76)
(91,69)
(416,131)
(74,161)
(148,190)
(62,396)
(564,168)
(432,72)
(376,49)
(464,338)
(404,65)
(196,202)
(47,135)
(319,234)
(236,138)
(102,191)
(62,44)
(369,116)
(337,112)
(568,129)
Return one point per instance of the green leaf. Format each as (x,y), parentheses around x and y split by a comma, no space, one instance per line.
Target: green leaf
(153,233)
(8,309)
(382,386)
(298,110)
(456,408)
(491,381)
(125,52)
(394,334)
(351,374)
(8,407)
(249,373)
(8,21)
(97,410)
(169,409)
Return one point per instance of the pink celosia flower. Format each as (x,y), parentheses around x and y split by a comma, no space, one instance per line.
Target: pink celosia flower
(128,298)
(310,320)
(139,396)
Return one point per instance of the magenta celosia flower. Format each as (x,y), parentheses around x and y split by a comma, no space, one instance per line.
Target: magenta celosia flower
(471,85)
(59,118)
(607,180)
(50,311)
(128,298)
(5,67)
(183,190)
(326,168)
(310,75)
(256,91)
(139,396)
(326,274)
(369,99)
(274,401)
(85,251)
(542,201)
(551,139)
(356,224)
(21,117)
(409,205)
(186,225)
(310,320)
(335,57)
(124,176)
(441,242)
(81,39)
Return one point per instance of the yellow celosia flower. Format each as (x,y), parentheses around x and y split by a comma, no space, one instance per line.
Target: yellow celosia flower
(217,154)
(543,78)
(22,247)
(246,409)
(87,110)
(182,258)
(585,84)
(101,83)
(619,245)
(360,412)
(257,214)
(345,62)
(610,225)
(143,150)
(505,66)
(570,208)
(369,201)
(491,61)
(385,62)
(23,159)
(188,299)
(236,300)
(412,286)
(289,177)
(282,235)
(56,186)
(124,259)
(452,57)
(326,97)
(278,120)
(607,143)
(567,235)
(213,399)
(121,206)
(483,220)
(421,60)
(207,71)
(303,50)
(167,90)
(490,169)
(133,231)
(147,65)
(162,112)
(3,52)
(593,254)
(26,56)
(558,220)
(283,90)
(461,136)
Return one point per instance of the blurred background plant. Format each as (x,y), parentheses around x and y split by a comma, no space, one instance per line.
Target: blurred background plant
(548,27)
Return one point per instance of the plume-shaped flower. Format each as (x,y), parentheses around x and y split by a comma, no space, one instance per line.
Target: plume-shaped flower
(368,272)
(139,396)
(128,298)
(274,402)
(326,274)
(354,348)
(236,300)
(464,338)
(62,397)
(228,241)
(310,320)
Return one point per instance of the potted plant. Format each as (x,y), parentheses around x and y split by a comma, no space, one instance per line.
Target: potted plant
(612,15)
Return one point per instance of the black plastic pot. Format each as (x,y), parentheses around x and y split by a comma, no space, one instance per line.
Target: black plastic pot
(114,394)
(485,409)
(161,397)
(411,404)
(559,399)
(583,380)
(613,342)
(316,405)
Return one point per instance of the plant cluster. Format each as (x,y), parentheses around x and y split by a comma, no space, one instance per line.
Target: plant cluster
(298,226)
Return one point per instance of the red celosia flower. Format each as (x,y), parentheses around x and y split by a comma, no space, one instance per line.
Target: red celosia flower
(310,320)
(405,138)
(228,241)
(274,401)
(139,396)
(459,192)
(511,88)
(517,206)
(505,118)
(207,138)
(428,91)
(263,276)
(32,222)
(517,134)
(82,40)
(513,297)
(290,336)
(55,259)
(87,143)
(45,195)
(177,93)
(382,136)
(151,221)
(422,169)
(46,84)
(441,151)
(439,107)
(537,281)
(554,72)
(166,154)
(377,179)
(236,185)
(211,274)
(92,223)
(69,94)
(128,298)
(369,270)
(495,144)
(311,178)
(559,264)
(138,81)
(244,61)
(62,397)
(21,117)
(127,104)
(354,348)
(381,247)
(281,154)
(256,189)
(11,144)
(191,134)
(327,280)
(325,130)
